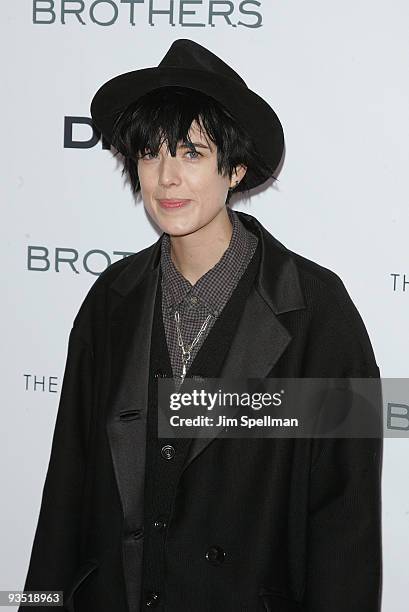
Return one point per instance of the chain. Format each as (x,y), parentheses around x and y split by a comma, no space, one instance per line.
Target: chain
(186,351)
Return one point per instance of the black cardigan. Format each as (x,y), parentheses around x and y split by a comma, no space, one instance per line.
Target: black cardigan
(161,474)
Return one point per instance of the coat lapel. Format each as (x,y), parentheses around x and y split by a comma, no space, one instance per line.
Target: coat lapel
(130,340)
(261,338)
(253,353)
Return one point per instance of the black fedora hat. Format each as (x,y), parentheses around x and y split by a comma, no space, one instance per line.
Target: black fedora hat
(191,65)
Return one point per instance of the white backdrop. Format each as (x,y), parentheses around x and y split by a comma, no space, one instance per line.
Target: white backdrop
(337,76)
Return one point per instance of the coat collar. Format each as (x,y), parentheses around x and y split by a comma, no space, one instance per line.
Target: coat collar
(277,280)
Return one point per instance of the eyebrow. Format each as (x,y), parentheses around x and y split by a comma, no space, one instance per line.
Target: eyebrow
(198,145)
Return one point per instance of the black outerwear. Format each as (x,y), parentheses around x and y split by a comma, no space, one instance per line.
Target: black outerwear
(299,519)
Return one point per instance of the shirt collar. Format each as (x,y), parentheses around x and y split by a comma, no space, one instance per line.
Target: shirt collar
(216,285)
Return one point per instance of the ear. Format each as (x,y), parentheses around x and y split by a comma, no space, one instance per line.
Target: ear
(237,175)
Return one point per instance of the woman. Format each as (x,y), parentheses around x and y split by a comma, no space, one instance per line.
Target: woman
(130,521)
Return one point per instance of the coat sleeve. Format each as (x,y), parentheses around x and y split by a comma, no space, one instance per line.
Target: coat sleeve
(344,554)
(56,547)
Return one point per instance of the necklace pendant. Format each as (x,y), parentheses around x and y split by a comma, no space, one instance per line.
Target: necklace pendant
(186,351)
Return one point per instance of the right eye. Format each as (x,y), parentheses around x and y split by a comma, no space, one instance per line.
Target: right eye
(146,155)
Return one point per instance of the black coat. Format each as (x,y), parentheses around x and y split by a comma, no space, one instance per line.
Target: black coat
(300,519)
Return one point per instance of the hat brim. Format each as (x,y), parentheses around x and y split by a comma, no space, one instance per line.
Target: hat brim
(249,108)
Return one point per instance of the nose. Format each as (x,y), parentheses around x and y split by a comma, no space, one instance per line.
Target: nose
(169,171)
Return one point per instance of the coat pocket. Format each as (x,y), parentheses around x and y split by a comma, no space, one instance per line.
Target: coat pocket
(277,602)
(83,572)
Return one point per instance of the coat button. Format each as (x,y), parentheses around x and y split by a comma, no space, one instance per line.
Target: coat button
(152,599)
(167,451)
(215,555)
(159,524)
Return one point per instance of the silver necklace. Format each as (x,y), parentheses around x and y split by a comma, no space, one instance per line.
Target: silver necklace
(186,350)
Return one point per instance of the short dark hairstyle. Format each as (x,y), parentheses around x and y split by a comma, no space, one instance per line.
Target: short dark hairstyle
(166,114)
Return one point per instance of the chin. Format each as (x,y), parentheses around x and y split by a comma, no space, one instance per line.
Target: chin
(181,226)
(179,229)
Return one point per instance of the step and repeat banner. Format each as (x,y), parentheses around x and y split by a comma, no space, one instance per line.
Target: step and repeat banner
(335,73)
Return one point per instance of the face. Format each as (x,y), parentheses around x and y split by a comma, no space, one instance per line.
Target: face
(185,194)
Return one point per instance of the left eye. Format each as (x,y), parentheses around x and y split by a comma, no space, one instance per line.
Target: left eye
(194,153)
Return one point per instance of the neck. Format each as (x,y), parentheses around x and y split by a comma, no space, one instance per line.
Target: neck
(196,253)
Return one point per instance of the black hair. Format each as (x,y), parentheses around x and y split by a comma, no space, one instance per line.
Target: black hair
(166,114)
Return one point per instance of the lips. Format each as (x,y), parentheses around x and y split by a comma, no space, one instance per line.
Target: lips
(173,203)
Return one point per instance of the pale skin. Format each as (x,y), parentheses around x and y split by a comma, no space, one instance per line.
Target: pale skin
(200,231)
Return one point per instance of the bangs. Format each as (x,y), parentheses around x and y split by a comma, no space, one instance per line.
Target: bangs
(165,116)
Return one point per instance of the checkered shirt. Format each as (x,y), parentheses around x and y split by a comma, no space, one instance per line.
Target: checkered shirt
(207,296)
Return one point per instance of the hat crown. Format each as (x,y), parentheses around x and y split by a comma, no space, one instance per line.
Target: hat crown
(188,54)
